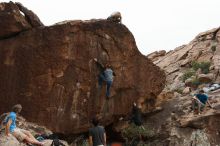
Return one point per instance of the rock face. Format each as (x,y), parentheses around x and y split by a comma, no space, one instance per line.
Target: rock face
(50,71)
(204,48)
(177,124)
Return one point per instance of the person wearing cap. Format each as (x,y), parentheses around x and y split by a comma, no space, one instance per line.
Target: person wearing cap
(20,134)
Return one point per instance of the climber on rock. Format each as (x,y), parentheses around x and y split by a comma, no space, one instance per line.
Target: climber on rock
(106,74)
(20,134)
(199,101)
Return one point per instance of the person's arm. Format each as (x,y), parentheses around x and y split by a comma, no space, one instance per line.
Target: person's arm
(7,128)
(90,141)
(98,63)
(114,73)
(194,97)
(209,104)
(105,143)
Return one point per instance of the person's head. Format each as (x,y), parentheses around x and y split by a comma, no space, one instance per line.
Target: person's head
(201,91)
(16,108)
(108,65)
(95,121)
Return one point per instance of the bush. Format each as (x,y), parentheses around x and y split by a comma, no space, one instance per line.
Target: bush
(189,73)
(133,132)
(180,91)
(196,82)
(213,48)
(204,66)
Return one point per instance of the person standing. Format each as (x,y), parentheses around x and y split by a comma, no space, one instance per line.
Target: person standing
(97,135)
(136,115)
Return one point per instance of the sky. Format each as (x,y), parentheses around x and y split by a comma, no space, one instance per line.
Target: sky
(155,24)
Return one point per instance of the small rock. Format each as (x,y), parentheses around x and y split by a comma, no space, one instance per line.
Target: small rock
(187,90)
(205,78)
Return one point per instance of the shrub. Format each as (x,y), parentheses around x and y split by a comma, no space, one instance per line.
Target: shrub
(213,48)
(189,73)
(204,66)
(196,82)
(180,91)
(195,65)
(133,132)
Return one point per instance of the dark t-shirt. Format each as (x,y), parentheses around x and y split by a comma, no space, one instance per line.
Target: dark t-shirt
(137,116)
(97,134)
(202,97)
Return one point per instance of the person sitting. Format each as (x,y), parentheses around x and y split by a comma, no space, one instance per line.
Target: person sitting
(97,135)
(20,134)
(199,101)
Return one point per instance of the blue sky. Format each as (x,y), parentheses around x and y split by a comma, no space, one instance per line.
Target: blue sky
(155,24)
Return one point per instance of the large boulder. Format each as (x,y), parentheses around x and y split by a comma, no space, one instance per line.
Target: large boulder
(51,72)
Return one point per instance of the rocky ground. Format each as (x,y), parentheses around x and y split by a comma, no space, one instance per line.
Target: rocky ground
(31,127)
(177,125)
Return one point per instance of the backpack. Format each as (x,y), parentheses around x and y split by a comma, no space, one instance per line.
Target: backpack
(56,142)
(3,120)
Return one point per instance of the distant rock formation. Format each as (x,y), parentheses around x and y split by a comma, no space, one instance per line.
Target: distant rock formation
(176,124)
(204,48)
(49,70)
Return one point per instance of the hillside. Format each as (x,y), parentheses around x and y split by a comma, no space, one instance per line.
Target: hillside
(189,68)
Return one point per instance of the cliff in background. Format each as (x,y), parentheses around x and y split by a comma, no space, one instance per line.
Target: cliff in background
(189,68)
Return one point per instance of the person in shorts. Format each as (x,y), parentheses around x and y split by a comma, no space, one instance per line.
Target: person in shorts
(20,134)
